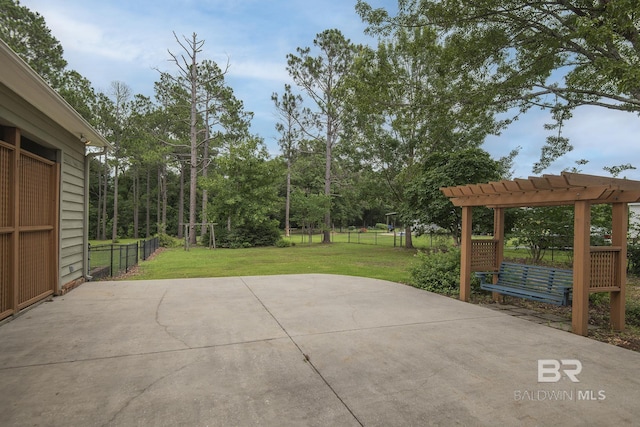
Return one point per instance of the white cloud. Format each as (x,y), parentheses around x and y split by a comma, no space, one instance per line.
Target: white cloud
(258,70)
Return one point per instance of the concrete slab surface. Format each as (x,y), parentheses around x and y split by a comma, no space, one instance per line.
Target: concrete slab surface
(318,350)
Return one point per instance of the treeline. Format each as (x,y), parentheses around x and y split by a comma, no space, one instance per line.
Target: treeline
(367,134)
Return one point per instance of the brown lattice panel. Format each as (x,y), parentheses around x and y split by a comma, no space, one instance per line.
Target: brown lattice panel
(604,269)
(483,255)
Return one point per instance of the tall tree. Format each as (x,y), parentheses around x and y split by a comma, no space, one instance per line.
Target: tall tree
(217,107)
(141,152)
(289,126)
(198,80)
(188,66)
(27,34)
(104,122)
(406,104)
(554,54)
(172,131)
(120,93)
(321,77)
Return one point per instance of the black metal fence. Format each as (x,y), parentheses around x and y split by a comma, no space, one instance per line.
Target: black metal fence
(111,260)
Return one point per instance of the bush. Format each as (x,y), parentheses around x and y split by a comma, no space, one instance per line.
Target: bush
(166,241)
(599,298)
(438,272)
(283,243)
(633,255)
(249,235)
(632,313)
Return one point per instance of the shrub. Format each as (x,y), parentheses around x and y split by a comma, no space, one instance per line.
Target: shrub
(438,272)
(633,255)
(166,241)
(599,298)
(632,313)
(283,243)
(249,235)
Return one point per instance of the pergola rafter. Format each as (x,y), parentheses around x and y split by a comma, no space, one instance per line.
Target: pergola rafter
(595,269)
(548,190)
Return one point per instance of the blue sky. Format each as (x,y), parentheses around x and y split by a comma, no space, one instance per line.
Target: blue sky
(126,40)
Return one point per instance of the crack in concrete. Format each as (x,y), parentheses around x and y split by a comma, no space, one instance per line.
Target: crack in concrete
(305,357)
(166,327)
(140,393)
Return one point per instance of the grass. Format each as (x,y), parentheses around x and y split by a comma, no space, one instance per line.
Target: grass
(556,257)
(378,262)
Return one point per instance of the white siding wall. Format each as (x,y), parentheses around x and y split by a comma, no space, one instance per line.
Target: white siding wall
(72,214)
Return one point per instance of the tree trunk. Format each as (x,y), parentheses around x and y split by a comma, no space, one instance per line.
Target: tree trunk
(136,203)
(114,234)
(205,172)
(163,186)
(103,235)
(158,201)
(326,237)
(148,205)
(181,204)
(193,135)
(99,207)
(408,240)
(287,228)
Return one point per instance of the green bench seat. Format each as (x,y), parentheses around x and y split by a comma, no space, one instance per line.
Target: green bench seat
(544,284)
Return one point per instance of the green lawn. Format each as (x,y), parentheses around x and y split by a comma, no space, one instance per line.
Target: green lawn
(554,257)
(375,256)
(374,261)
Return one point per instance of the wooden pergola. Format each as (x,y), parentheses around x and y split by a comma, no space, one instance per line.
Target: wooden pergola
(595,268)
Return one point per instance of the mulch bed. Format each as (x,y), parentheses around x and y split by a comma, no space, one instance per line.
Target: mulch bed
(598,316)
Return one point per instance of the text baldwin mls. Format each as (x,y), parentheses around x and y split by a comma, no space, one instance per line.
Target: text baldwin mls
(551,371)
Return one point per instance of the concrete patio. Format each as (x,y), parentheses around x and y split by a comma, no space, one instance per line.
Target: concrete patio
(298,350)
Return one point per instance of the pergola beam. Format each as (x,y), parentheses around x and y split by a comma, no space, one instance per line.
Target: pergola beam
(550,197)
(548,190)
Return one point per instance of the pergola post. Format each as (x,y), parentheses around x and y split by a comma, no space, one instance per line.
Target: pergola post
(581,267)
(465,254)
(498,237)
(619,224)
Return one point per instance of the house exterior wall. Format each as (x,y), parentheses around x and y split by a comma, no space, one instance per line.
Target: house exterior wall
(69,153)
